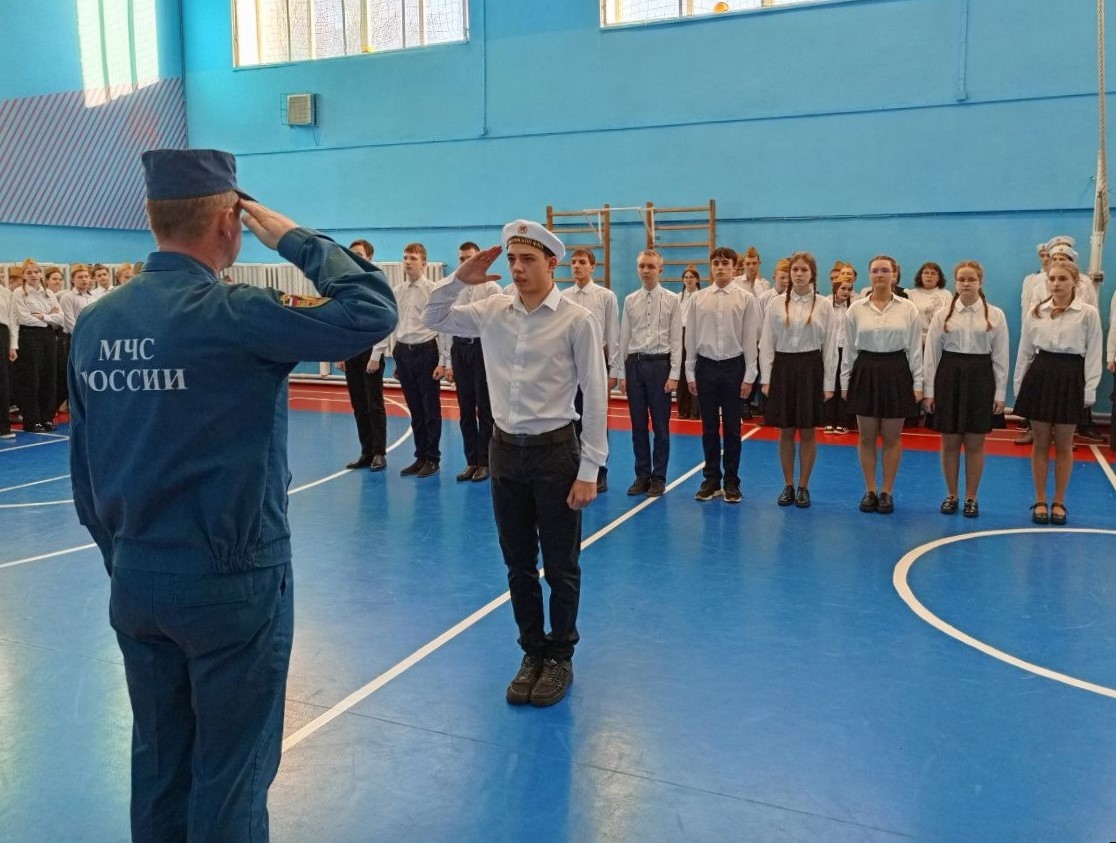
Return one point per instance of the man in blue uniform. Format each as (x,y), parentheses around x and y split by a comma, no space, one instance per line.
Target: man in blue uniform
(178,386)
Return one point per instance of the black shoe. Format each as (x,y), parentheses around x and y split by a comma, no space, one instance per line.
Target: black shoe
(786,497)
(884,504)
(709,489)
(429,469)
(480,474)
(1040,517)
(413,469)
(640,486)
(655,487)
(802,500)
(363,461)
(379,463)
(732,492)
(971,508)
(1089,434)
(949,506)
(35,428)
(746,412)
(553,682)
(1058,518)
(869,502)
(49,427)
(467,474)
(519,691)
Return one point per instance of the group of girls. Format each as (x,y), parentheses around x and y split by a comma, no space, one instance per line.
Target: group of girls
(893,355)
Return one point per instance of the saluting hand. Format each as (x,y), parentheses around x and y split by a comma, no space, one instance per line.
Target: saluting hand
(475,269)
(269,226)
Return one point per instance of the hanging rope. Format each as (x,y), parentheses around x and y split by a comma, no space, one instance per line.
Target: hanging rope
(1100,206)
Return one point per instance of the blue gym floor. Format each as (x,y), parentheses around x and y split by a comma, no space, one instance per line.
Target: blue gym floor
(746,673)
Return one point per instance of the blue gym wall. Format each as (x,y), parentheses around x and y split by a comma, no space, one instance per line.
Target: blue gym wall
(928,129)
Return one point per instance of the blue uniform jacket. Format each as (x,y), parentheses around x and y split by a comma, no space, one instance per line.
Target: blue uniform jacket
(178,404)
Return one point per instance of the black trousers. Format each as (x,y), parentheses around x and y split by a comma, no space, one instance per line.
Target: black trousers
(529,490)
(37,365)
(414,367)
(469,375)
(646,397)
(718,383)
(5,379)
(62,358)
(366,394)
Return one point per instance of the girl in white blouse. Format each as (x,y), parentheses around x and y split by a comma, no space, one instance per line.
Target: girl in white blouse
(39,315)
(1057,372)
(965,378)
(837,419)
(691,283)
(798,359)
(882,372)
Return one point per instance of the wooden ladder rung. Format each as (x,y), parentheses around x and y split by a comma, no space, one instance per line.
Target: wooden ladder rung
(699,209)
(704,244)
(574,229)
(670,226)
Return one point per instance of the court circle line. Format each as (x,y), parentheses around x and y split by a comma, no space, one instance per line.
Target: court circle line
(899,581)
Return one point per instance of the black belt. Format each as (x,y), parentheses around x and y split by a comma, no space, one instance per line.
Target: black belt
(416,346)
(641,357)
(728,361)
(533,440)
(23,328)
(466,340)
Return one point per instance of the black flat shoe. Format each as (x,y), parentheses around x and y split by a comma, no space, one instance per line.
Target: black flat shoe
(786,497)
(802,499)
(363,461)
(1040,517)
(869,502)
(379,463)
(884,504)
(971,508)
(467,474)
(1056,518)
(481,474)
(949,506)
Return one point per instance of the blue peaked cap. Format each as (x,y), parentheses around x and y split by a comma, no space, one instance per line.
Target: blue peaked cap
(189,173)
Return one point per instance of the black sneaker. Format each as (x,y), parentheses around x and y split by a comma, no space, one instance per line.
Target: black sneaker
(639,486)
(656,487)
(709,489)
(786,497)
(519,691)
(732,492)
(869,502)
(553,682)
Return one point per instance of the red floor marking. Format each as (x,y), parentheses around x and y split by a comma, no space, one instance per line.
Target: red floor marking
(330,397)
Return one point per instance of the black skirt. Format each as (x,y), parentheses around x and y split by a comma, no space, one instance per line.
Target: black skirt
(881,386)
(797,392)
(964,390)
(1053,389)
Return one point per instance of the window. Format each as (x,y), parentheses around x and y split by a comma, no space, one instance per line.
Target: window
(272,31)
(119,52)
(617,12)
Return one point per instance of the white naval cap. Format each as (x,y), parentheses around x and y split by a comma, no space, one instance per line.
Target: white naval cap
(1061,240)
(1042,247)
(533,234)
(1064,249)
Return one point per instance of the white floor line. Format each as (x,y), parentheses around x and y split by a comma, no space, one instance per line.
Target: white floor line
(46,555)
(35,483)
(899,581)
(34,444)
(35,503)
(1105,467)
(418,655)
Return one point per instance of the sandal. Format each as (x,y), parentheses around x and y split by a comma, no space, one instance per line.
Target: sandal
(949,506)
(1040,517)
(1055,518)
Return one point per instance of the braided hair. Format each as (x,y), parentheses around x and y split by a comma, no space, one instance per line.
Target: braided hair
(953,304)
(808,259)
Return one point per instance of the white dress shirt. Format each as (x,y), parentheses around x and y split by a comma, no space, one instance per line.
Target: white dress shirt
(41,300)
(757,288)
(410,297)
(968,334)
(1036,280)
(652,324)
(601,302)
(840,313)
(724,323)
(894,328)
(813,327)
(928,303)
(96,291)
(471,293)
(1077,330)
(8,317)
(1084,289)
(72,303)
(535,361)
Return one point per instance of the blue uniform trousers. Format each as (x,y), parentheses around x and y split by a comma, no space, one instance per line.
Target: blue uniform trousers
(206,657)
(646,380)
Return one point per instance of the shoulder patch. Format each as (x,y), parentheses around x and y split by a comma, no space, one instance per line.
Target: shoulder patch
(291,300)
